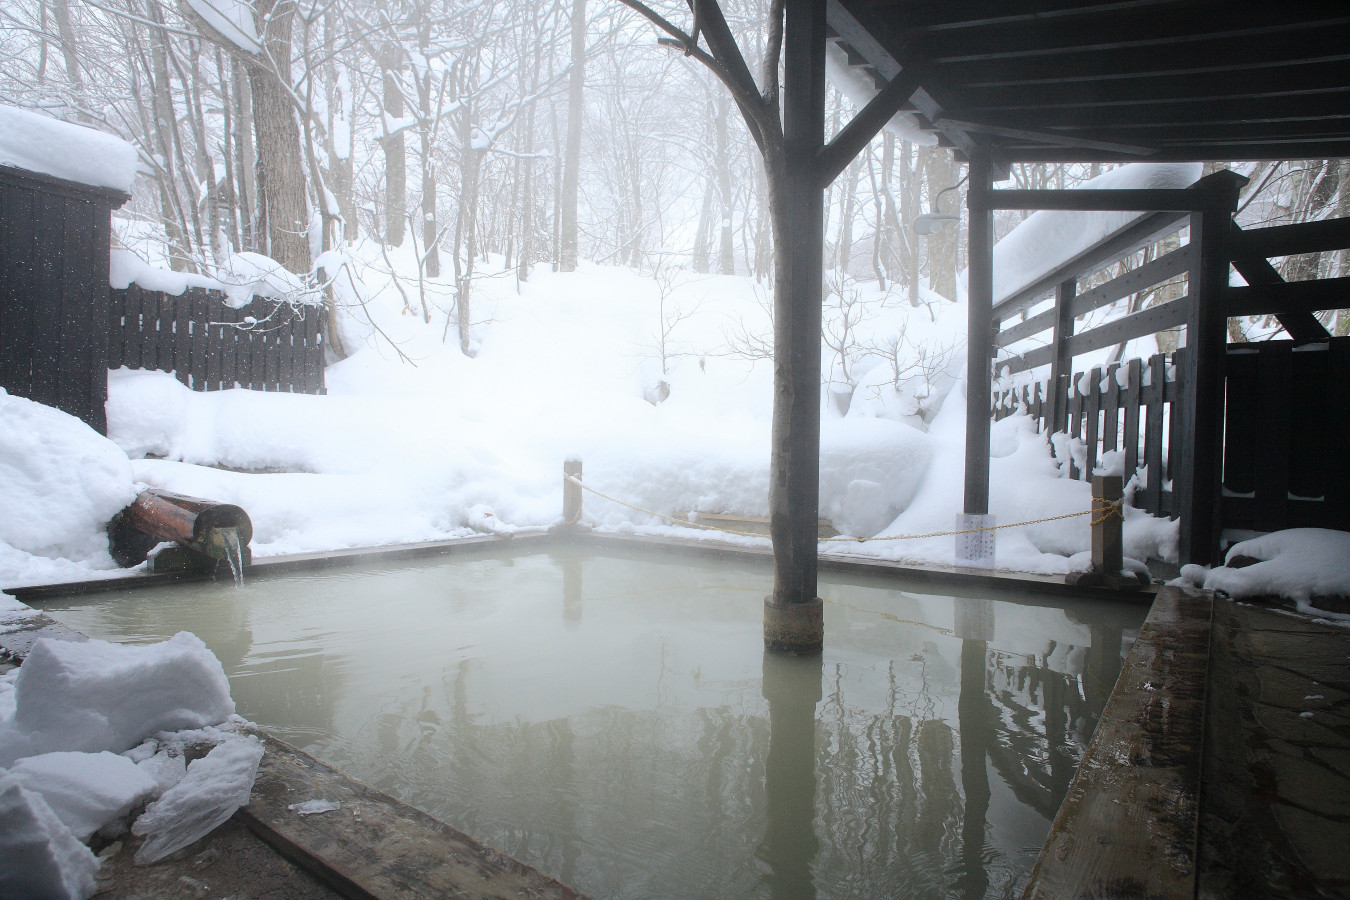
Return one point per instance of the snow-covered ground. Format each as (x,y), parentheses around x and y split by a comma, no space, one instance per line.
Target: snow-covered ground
(417,441)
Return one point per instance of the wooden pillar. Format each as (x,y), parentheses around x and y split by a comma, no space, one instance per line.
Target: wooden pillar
(980,331)
(1197,480)
(792,615)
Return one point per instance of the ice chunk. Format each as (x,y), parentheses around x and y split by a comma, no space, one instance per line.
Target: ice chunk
(167,769)
(86,791)
(39,857)
(215,786)
(96,695)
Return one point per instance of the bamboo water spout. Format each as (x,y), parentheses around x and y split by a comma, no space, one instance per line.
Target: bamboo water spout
(219,532)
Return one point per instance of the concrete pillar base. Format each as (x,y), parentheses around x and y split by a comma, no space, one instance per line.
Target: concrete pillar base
(794,627)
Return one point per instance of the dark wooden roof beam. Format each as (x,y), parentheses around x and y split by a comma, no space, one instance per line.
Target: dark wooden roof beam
(1200,111)
(1179,33)
(961,14)
(1288,80)
(1242,59)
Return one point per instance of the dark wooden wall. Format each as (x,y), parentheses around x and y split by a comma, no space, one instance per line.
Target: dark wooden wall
(54,239)
(210,346)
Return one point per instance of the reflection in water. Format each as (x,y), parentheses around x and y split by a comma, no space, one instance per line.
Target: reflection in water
(792,687)
(649,748)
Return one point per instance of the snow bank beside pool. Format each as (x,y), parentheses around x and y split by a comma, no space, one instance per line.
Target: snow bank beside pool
(62,482)
(89,731)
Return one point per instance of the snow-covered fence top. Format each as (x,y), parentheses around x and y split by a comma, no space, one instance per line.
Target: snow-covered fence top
(37,143)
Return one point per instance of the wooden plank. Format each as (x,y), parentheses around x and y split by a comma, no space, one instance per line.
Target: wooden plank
(1178,447)
(257,375)
(98,238)
(1336,489)
(1309,415)
(1075,421)
(1288,240)
(1134,374)
(49,231)
(1093,413)
(1128,826)
(1288,297)
(117,327)
(17,306)
(229,337)
(1242,427)
(1111,410)
(199,337)
(1153,432)
(272,374)
(285,336)
(244,354)
(182,337)
(215,342)
(1135,280)
(158,347)
(1099,199)
(375,846)
(1274,380)
(1146,321)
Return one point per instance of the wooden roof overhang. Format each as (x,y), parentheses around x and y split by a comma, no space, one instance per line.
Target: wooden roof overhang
(1114,81)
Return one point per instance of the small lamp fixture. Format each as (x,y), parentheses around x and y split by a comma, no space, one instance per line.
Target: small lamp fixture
(933,222)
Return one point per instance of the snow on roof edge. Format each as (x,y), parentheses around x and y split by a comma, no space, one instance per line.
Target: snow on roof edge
(41,144)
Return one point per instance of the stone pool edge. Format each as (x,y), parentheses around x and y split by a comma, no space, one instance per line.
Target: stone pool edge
(1129,825)
(938,576)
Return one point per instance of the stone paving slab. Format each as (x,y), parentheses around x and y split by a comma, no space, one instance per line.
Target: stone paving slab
(1275,804)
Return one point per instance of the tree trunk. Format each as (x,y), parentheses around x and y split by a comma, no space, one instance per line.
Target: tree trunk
(567,238)
(283,212)
(726,252)
(395,148)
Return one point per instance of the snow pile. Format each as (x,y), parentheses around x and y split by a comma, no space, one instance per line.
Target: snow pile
(125,268)
(89,731)
(62,483)
(48,146)
(95,695)
(1297,564)
(39,857)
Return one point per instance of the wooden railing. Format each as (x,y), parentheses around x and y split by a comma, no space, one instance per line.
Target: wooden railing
(210,346)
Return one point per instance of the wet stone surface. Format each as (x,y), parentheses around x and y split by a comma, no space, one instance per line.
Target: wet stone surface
(1275,804)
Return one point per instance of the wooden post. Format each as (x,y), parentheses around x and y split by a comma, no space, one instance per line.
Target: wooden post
(1201,438)
(1107,555)
(980,334)
(793,616)
(571,492)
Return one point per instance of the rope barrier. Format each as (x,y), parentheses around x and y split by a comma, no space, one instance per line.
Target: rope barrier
(1107,509)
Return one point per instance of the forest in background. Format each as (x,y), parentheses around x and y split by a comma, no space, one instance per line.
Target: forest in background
(538,131)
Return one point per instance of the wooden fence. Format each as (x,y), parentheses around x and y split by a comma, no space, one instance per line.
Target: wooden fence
(1287,436)
(210,346)
(1132,408)
(1286,430)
